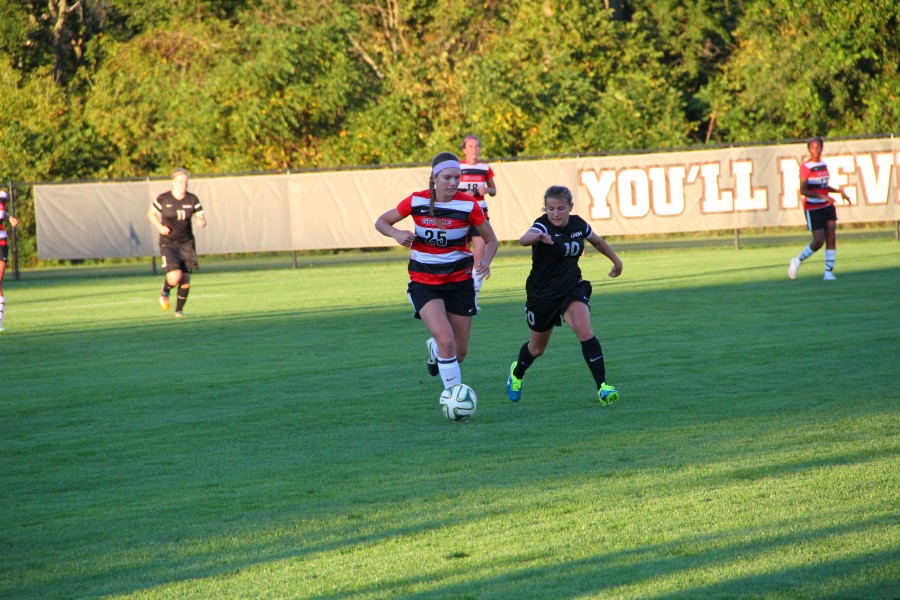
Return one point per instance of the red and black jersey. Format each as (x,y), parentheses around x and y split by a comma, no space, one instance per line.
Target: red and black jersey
(554,268)
(4,203)
(178,216)
(440,253)
(471,176)
(816,175)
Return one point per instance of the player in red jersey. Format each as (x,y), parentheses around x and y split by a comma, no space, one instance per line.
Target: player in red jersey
(4,248)
(172,214)
(821,216)
(441,264)
(476,180)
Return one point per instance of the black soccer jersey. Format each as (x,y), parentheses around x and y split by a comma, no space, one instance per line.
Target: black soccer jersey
(554,269)
(177,215)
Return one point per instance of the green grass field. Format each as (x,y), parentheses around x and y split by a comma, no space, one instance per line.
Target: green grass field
(284,440)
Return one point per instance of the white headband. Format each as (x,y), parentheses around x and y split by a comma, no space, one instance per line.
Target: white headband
(447,164)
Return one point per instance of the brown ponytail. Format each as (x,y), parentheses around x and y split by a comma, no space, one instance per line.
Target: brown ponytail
(432,194)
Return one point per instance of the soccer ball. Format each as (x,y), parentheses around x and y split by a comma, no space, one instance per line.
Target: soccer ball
(458,402)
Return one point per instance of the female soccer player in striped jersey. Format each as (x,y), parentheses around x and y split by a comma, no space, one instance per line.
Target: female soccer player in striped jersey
(821,217)
(4,249)
(476,180)
(441,264)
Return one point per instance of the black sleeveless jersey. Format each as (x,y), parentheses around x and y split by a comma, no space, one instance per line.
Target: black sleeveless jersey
(554,269)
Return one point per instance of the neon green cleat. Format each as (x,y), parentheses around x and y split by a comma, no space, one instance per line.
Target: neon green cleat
(607,394)
(513,385)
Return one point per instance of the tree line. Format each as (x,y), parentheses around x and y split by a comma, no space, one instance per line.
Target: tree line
(120,89)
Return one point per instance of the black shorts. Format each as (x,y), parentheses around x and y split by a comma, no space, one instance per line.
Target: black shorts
(473,233)
(543,315)
(817,217)
(4,253)
(458,297)
(179,258)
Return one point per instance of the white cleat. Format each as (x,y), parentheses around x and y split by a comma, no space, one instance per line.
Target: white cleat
(829,276)
(793,267)
(432,357)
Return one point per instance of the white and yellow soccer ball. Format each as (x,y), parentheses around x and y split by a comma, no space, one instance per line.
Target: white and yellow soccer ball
(458,402)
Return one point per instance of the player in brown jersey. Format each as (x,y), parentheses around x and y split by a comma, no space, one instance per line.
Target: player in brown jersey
(172,214)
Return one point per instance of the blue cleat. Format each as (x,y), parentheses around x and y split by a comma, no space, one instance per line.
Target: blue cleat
(607,394)
(513,385)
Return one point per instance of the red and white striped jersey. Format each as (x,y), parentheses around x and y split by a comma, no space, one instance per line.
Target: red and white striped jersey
(816,175)
(471,176)
(441,255)
(4,202)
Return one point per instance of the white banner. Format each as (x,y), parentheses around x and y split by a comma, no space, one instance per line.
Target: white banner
(700,190)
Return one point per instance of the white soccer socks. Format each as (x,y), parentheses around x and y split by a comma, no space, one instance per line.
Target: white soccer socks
(450,371)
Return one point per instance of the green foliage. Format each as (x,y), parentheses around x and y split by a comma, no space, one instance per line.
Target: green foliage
(44,136)
(294,83)
(150,100)
(417,80)
(693,39)
(643,107)
(129,89)
(809,68)
(215,96)
(540,83)
(15,27)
